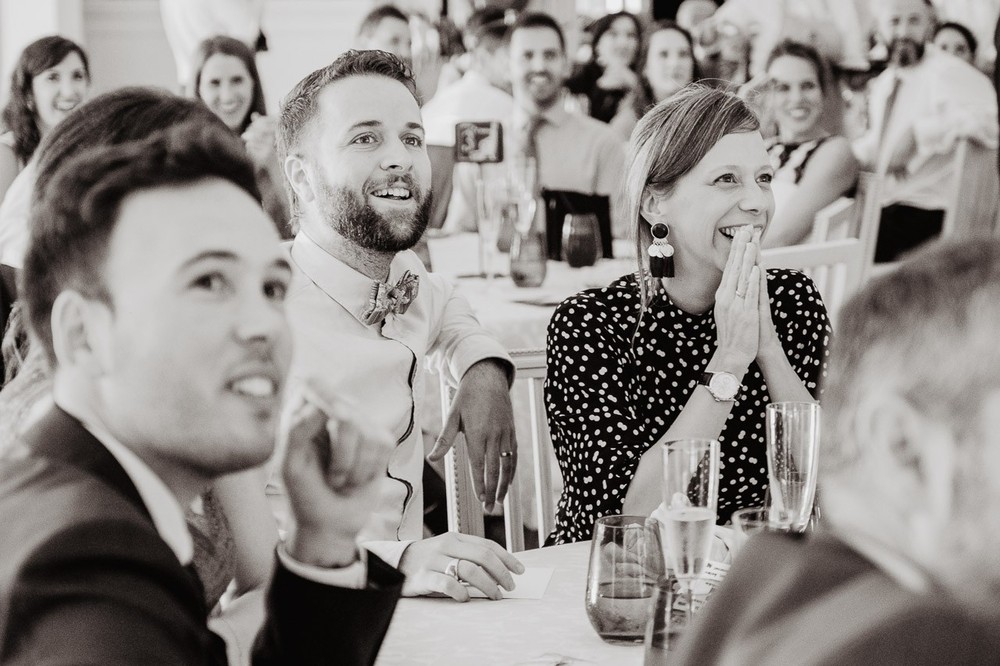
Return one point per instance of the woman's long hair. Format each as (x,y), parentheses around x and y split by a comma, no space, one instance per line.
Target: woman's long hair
(20,115)
(232,47)
(669,141)
(602,25)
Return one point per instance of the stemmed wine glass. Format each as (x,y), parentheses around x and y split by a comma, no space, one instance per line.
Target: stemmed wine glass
(690,496)
(792,461)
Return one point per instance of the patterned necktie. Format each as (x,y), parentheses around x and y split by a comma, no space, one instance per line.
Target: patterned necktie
(385,298)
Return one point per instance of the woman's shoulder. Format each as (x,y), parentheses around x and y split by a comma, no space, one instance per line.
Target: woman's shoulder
(613,300)
(7,139)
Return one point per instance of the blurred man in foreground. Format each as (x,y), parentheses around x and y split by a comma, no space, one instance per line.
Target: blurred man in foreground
(905,570)
(154,282)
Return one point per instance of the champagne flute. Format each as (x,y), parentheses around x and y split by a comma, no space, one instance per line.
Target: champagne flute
(792,460)
(690,495)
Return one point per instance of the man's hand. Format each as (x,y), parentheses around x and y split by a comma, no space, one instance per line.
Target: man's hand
(482,411)
(482,564)
(333,467)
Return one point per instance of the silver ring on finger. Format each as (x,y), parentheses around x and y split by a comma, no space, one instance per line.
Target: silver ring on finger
(741,294)
(506,454)
(452,569)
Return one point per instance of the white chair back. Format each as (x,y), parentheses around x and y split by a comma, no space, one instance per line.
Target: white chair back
(835,266)
(972,206)
(465,513)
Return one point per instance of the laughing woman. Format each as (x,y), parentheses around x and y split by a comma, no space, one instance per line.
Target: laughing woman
(813,166)
(50,79)
(227,81)
(699,340)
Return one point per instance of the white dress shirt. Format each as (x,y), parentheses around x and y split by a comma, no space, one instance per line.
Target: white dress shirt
(471,98)
(942,98)
(575,154)
(378,367)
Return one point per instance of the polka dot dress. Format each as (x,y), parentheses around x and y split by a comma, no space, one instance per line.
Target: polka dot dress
(612,391)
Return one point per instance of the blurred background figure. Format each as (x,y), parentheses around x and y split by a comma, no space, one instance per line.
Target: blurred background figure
(480,95)
(979,17)
(227,81)
(667,64)
(813,163)
(189,22)
(956,39)
(387,28)
(919,107)
(51,79)
(611,72)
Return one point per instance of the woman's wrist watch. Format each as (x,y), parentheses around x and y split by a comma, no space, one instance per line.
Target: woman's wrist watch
(722,385)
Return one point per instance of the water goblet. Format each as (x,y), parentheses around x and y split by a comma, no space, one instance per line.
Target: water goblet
(626,561)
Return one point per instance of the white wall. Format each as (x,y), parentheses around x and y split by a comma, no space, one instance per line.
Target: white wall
(24,21)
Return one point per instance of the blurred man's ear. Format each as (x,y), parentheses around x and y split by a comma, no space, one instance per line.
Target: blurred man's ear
(81,332)
(909,451)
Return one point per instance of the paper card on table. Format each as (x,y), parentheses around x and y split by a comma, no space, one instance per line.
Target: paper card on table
(703,588)
(457,254)
(529,585)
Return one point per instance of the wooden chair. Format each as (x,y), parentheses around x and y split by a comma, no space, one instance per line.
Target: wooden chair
(465,513)
(972,207)
(836,266)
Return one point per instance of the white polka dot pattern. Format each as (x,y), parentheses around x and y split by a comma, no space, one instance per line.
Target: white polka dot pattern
(610,395)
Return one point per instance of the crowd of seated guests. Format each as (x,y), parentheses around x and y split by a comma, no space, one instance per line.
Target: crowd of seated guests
(706,140)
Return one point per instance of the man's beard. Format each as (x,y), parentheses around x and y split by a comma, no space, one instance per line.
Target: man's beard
(356,219)
(905,52)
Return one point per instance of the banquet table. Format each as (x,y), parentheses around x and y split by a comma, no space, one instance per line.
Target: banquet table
(547,631)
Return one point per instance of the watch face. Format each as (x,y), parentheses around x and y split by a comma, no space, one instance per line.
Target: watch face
(724,385)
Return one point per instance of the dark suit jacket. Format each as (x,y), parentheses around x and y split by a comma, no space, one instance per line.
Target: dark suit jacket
(86,579)
(791,600)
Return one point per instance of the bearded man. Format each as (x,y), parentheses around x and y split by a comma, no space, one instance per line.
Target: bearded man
(918,108)
(365,312)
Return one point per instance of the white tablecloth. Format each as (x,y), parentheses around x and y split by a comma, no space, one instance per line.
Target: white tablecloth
(547,631)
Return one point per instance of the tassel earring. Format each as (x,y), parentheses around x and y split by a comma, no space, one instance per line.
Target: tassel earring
(661,252)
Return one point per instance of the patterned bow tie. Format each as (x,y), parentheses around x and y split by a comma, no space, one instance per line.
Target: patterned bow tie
(386,298)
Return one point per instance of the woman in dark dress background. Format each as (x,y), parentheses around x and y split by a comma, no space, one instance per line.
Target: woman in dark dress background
(700,354)
(611,73)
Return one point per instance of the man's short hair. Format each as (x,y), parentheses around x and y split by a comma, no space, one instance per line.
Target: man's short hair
(537,20)
(73,219)
(371,21)
(926,331)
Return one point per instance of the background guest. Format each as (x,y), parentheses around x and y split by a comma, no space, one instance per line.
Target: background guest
(905,570)
(956,39)
(668,64)
(610,74)
(919,107)
(50,79)
(813,167)
(227,81)
(697,352)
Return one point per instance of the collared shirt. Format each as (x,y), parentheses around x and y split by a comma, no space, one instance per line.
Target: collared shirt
(378,367)
(575,153)
(471,98)
(163,507)
(941,98)
(170,521)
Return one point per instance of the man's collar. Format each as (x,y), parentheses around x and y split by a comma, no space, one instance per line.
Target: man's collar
(163,507)
(345,285)
(554,115)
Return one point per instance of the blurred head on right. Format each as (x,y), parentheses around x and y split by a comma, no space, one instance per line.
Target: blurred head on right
(911,441)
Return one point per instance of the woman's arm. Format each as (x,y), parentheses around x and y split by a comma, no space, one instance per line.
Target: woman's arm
(737,314)
(255,534)
(831,171)
(9,168)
